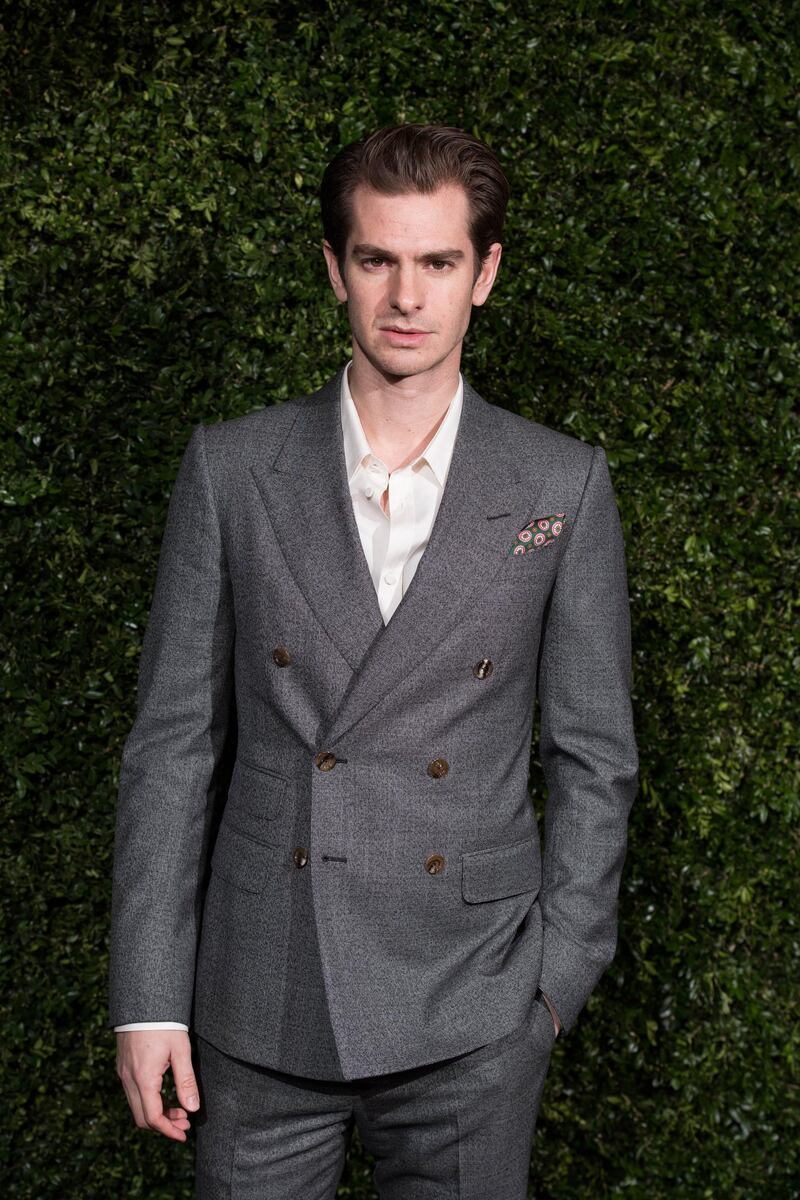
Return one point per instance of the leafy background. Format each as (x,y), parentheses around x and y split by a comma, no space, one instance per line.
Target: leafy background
(161,266)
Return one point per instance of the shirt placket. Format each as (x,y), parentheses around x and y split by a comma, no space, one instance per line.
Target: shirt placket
(399,518)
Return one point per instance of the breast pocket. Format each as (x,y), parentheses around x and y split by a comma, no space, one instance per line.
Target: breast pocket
(542,533)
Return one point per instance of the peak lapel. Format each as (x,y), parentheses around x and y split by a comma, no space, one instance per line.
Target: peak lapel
(465,551)
(307,498)
(308,501)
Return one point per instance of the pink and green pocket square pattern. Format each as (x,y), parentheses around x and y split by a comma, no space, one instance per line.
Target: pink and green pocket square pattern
(540,532)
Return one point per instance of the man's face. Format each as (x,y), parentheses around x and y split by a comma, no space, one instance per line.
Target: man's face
(408,278)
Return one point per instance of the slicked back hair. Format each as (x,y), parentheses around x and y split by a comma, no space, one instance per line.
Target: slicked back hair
(416,158)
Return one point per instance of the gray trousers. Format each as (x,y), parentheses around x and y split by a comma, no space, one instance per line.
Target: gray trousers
(461,1128)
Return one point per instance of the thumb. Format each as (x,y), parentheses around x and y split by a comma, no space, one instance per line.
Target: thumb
(183,1075)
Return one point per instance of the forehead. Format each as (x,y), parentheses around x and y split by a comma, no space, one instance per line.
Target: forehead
(411,220)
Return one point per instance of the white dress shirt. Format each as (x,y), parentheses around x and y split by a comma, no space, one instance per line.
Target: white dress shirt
(393,541)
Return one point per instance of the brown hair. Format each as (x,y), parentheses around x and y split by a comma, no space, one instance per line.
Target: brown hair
(416,158)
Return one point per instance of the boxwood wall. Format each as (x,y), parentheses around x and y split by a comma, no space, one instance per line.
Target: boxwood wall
(161,265)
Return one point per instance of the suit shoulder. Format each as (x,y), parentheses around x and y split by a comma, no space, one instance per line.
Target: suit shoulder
(560,449)
(260,425)
(233,445)
(236,442)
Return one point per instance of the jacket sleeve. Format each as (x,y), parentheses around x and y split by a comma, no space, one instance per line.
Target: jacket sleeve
(588,748)
(170,759)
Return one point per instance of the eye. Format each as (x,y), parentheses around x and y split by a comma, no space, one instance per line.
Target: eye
(375,261)
(437,263)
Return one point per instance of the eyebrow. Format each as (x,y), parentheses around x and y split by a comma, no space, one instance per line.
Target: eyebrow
(364,249)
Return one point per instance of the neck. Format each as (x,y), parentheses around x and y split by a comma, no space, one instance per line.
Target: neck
(401,413)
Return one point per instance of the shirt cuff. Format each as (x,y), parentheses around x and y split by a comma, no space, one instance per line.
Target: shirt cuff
(151,1025)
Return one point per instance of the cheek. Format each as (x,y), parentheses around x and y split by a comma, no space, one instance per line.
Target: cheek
(355,310)
(459,312)
(460,303)
(362,304)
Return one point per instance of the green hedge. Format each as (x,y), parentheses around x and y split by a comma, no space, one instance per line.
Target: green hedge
(161,266)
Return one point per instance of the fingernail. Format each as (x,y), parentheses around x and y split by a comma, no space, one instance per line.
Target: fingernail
(191,1102)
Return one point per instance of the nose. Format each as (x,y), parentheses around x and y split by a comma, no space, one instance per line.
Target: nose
(406,289)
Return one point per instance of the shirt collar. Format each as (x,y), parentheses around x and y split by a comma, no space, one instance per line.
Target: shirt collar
(437,453)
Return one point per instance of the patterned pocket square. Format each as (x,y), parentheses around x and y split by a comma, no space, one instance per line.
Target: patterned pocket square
(541,532)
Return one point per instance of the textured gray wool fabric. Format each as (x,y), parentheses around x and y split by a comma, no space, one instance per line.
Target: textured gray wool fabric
(365,960)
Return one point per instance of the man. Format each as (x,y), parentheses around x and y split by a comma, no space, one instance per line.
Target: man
(363,592)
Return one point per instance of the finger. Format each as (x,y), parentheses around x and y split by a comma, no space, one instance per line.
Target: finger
(155,1117)
(175,1115)
(178,1118)
(184,1077)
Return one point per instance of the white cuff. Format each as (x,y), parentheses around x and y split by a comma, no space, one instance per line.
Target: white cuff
(151,1025)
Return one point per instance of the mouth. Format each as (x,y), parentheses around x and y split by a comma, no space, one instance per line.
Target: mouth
(399,336)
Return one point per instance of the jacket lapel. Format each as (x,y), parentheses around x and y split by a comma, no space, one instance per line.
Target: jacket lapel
(482,507)
(308,501)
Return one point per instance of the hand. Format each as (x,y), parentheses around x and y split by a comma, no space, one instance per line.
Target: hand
(143,1056)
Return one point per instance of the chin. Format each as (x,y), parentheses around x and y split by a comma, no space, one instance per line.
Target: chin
(404,362)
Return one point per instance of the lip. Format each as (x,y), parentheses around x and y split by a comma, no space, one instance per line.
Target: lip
(408,337)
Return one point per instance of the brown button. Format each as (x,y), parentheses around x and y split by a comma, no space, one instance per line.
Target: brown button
(300,856)
(438,768)
(325,760)
(434,864)
(281,656)
(483,668)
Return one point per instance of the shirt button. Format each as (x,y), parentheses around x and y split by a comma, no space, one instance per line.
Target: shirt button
(368,491)
(389,577)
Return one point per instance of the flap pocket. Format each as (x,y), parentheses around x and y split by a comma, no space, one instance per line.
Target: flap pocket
(243,862)
(501,871)
(255,797)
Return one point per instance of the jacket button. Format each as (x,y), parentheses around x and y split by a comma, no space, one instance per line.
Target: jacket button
(438,768)
(281,656)
(483,668)
(325,760)
(300,856)
(434,864)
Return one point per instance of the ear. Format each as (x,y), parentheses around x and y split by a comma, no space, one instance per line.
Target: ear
(483,284)
(337,283)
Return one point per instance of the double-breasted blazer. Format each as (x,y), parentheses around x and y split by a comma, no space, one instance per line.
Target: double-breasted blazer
(327,858)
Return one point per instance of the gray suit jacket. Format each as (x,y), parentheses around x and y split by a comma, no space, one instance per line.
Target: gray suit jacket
(327,859)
